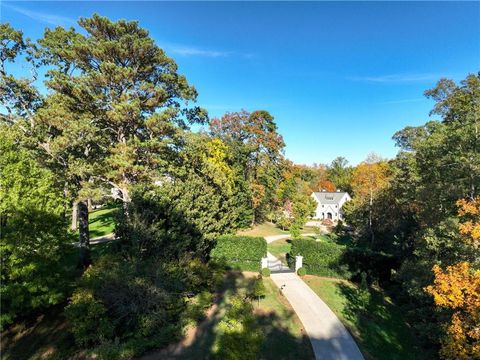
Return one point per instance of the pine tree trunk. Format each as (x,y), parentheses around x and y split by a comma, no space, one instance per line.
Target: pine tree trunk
(89,203)
(74,216)
(84,237)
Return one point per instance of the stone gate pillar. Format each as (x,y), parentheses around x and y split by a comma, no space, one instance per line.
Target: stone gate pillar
(264,262)
(298,262)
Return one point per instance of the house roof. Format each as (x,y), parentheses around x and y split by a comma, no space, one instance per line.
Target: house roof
(326,197)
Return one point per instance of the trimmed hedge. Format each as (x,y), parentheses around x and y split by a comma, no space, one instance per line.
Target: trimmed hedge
(320,257)
(240,252)
(334,260)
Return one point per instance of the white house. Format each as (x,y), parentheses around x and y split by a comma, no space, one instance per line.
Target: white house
(329,204)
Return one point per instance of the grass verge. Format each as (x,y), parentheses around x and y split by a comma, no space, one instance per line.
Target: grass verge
(376,323)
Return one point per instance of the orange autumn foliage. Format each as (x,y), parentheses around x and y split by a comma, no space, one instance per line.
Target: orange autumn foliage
(324,184)
(469,211)
(458,288)
(369,178)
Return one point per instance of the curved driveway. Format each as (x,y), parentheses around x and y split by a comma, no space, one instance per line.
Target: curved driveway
(329,338)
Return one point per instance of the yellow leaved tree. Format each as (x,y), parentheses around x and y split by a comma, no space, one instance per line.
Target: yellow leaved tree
(458,288)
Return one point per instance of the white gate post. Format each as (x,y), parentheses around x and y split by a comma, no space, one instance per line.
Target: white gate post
(264,262)
(298,262)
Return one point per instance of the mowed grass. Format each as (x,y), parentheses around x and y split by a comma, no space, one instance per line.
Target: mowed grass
(101,222)
(285,337)
(376,323)
(280,248)
(262,230)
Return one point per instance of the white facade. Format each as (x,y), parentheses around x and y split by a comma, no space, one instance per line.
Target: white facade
(329,204)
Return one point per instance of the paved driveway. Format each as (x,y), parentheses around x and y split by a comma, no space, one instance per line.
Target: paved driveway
(329,338)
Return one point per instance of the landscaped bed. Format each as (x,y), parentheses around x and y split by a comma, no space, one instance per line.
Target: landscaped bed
(375,322)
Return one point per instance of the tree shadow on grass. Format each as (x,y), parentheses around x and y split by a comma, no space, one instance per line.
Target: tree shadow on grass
(379,327)
(278,343)
(42,336)
(98,225)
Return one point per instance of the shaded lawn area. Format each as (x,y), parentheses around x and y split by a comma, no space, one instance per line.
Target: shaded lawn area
(43,336)
(101,222)
(376,323)
(284,334)
(262,230)
(280,248)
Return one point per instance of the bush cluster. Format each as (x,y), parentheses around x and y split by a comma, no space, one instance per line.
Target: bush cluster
(320,258)
(377,265)
(131,307)
(334,260)
(240,252)
(240,336)
(266,272)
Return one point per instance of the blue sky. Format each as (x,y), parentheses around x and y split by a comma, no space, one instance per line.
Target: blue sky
(340,78)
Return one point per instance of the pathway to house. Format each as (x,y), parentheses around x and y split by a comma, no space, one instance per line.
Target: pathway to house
(329,338)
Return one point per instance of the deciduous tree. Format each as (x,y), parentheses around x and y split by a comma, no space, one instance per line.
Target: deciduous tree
(458,289)
(257,150)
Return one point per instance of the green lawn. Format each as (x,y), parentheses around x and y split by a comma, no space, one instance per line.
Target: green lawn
(262,230)
(376,323)
(279,249)
(284,334)
(101,221)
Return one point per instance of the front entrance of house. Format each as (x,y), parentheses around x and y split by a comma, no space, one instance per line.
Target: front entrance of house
(329,216)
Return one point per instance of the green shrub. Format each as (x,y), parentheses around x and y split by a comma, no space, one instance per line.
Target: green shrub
(34,240)
(325,258)
(301,272)
(196,307)
(266,272)
(258,290)
(88,317)
(320,258)
(239,334)
(377,265)
(138,305)
(240,252)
